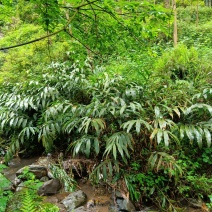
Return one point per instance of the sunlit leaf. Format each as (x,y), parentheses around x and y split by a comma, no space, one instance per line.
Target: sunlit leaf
(155,131)
(159,135)
(166,138)
(207,136)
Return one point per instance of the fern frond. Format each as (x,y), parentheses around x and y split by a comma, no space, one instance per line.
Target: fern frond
(28,204)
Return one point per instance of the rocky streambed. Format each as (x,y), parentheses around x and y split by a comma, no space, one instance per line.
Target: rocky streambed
(85,198)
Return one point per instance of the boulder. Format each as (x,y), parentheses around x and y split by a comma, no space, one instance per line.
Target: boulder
(122,204)
(74,200)
(125,205)
(50,187)
(37,170)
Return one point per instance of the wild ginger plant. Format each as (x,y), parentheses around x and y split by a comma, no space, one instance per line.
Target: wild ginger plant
(109,119)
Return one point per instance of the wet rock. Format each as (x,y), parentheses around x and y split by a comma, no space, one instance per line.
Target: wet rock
(44,179)
(51,199)
(15,162)
(20,187)
(37,170)
(122,204)
(74,200)
(101,201)
(44,161)
(118,194)
(125,204)
(17,181)
(82,209)
(50,175)
(50,187)
(91,203)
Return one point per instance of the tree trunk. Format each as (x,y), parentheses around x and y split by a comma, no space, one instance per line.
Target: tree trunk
(175,22)
(167,3)
(208,3)
(197,14)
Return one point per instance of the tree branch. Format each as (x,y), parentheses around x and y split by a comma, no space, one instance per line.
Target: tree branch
(41,38)
(32,41)
(83,44)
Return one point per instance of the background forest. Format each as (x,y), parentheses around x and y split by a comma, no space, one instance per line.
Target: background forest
(106,80)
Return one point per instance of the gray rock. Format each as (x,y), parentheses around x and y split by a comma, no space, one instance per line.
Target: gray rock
(74,200)
(44,179)
(122,204)
(118,194)
(20,187)
(15,162)
(82,209)
(126,205)
(37,170)
(50,187)
(112,209)
(44,161)
(50,175)
(17,181)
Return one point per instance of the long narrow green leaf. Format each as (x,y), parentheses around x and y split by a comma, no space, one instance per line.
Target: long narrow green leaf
(159,163)
(123,108)
(96,145)
(182,130)
(88,147)
(153,133)
(114,152)
(189,133)
(153,161)
(131,123)
(166,138)
(104,172)
(162,123)
(198,136)
(157,112)
(119,147)
(138,126)
(159,135)
(207,136)
(176,110)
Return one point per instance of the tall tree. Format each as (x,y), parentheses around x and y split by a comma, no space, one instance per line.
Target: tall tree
(175,37)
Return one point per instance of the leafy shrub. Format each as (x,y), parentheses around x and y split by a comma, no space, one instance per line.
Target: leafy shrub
(181,63)
(189,14)
(27,198)
(109,119)
(5,193)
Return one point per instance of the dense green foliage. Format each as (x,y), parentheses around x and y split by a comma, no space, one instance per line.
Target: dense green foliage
(24,200)
(5,192)
(111,87)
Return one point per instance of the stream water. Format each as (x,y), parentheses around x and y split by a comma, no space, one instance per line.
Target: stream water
(15,165)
